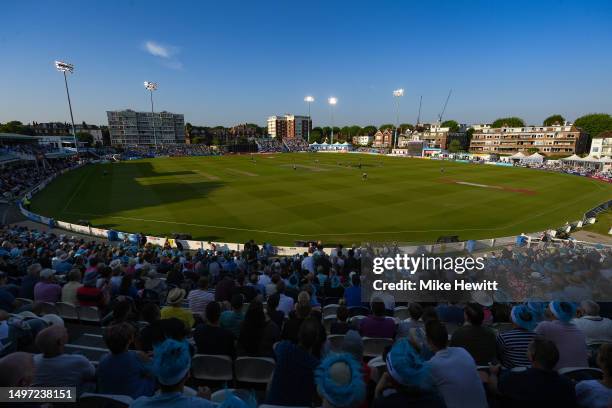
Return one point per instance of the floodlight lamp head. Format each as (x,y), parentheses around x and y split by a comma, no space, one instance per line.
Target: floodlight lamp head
(151,86)
(64,66)
(309,99)
(398,92)
(332,100)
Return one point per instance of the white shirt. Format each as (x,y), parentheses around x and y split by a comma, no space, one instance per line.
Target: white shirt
(454,373)
(308,264)
(596,329)
(285,304)
(198,300)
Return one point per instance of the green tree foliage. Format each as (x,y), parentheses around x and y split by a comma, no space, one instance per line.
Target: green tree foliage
(386,126)
(553,119)
(511,121)
(16,126)
(594,123)
(406,126)
(85,137)
(316,135)
(454,146)
(369,130)
(452,124)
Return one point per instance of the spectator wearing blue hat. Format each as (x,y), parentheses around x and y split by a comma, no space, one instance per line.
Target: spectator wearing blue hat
(570,341)
(453,370)
(340,382)
(512,344)
(407,381)
(171,365)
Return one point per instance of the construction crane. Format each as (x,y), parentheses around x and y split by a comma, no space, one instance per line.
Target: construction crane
(444,108)
(419,116)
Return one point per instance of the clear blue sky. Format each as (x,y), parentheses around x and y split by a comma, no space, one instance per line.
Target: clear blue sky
(226,62)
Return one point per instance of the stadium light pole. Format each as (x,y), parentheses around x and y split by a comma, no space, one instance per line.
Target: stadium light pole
(152,86)
(332,102)
(309,99)
(398,93)
(64,67)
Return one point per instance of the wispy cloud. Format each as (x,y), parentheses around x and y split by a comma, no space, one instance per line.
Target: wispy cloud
(167,53)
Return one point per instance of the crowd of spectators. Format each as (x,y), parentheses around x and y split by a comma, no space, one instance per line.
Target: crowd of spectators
(162,305)
(173,150)
(17,178)
(269,145)
(296,144)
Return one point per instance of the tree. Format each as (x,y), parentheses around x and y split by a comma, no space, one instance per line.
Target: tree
(84,137)
(454,146)
(554,119)
(386,126)
(356,130)
(316,135)
(406,126)
(594,123)
(16,126)
(369,130)
(451,124)
(469,133)
(511,121)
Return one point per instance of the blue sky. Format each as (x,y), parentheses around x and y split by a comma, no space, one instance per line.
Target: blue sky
(227,62)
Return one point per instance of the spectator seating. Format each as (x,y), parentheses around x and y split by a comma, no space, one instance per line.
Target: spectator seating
(91,400)
(374,346)
(212,367)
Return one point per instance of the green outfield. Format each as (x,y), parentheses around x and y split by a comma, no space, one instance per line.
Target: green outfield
(236,198)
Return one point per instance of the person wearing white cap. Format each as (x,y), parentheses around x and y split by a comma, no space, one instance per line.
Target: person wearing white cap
(174,309)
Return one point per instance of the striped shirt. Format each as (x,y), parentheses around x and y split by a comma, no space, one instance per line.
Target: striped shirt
(198,299)
(512,347)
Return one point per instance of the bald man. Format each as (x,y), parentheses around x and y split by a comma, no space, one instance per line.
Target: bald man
(54,368)
(17,370)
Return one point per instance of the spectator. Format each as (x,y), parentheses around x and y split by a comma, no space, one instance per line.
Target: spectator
(596,329)
(150,314)
(69,291)
(171,364)
(29,281)
(538,386)
(453,370)
(340,381)
(7,301)
(210,338)
(291,328)
(293,379)
(598,393)
(406,382)
(54,368)
(377,324)
(126,288)
(415,311)
(174,308)
(451,313)
(512,345)
(90,294)
(123,371)
(17,370)
(341,325)
(569,340)
(285,303)
(47,290)
(276,316)
(200,297)
(258,334)
(232,319)
(479,341)
(352,294)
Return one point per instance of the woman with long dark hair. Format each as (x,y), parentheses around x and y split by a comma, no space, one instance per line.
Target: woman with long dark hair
(258,333)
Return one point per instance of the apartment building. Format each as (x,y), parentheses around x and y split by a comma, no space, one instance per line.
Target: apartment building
(564,139)
(289,126)
(601,145)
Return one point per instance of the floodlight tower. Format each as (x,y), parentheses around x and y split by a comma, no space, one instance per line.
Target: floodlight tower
(398,93)
(309,99)
(64,67)
(152,86)
(332,102)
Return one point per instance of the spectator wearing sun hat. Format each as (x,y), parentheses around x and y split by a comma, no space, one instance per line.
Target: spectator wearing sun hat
(570,341)
(407,381)
(340,382)
(171,365)
(173,308)
(512,344)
